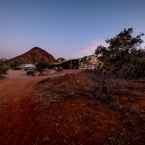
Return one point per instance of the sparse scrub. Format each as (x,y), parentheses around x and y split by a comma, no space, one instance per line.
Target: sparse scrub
(117,139)
(116,107)
(15,64)
(3,68)
(106,99)
(132,129)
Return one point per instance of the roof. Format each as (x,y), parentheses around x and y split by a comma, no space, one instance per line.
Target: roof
(29,66)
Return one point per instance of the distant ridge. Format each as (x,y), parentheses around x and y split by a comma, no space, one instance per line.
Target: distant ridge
(34,55)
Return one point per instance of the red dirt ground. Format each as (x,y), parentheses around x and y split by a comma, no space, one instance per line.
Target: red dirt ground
(30,119)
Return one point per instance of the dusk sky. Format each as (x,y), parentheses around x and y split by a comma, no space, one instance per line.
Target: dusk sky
(68,28)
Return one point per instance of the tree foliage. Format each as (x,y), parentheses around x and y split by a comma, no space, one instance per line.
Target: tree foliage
(124,54)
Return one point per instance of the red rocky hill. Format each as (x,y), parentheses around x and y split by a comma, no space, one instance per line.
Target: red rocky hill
(35,55)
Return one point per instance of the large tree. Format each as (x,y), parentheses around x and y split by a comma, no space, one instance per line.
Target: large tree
(124,54)
(121,45)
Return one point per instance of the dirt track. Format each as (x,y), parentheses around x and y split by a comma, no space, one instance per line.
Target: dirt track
(25,120)
(15,103)
(16,98)
(17,86)
(29,119)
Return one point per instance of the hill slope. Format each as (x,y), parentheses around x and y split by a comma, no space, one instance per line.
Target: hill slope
(35,55)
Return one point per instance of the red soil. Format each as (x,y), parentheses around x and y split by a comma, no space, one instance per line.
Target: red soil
(30,119)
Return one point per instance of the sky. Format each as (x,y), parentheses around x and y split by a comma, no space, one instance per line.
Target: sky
(65,28)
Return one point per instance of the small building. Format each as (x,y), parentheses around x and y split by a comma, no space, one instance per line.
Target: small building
(28,66)
(91,62)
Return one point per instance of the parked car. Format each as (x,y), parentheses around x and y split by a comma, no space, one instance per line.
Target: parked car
(30,69)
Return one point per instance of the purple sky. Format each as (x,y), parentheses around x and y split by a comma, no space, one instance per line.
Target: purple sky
(68,28)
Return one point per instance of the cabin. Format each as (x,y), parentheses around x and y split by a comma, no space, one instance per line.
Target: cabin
(90,62)
(68,64)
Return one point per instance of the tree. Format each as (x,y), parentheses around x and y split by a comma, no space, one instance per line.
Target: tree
(100,50)
(124,54)
(121,45)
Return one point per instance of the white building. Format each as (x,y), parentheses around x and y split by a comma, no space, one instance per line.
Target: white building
(28,66)
(91,62)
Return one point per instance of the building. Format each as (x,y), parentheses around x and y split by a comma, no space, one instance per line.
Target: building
(68,64)
(90,62)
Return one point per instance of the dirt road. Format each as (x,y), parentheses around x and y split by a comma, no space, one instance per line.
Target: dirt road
(18,86)
(16,102)
(20,110)
(26,120)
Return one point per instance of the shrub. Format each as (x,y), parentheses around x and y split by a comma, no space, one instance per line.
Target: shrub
(15,64)
(116,107)
(106,99)
(134,69)
(41,66)
(117,139)
(3,68)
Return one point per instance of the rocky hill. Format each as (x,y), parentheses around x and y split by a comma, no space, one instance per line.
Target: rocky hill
(35,55)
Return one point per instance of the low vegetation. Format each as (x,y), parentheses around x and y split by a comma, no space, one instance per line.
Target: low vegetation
(42,66)
(3,68)
(119,96)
